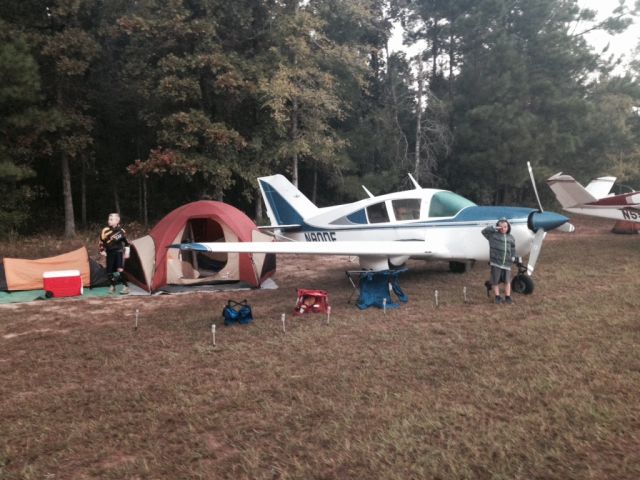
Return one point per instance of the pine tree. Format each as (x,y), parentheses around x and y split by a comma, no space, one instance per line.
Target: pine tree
(19,94)
(300,89)
(187,86)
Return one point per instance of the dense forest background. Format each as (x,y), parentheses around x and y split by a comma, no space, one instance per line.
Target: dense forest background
(139,106)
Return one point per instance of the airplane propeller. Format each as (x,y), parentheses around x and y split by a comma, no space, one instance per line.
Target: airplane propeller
(539,222)
(536,246)
(535,189)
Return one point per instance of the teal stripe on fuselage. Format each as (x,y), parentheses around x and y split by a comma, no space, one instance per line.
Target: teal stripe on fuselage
(467,217)
(492,213)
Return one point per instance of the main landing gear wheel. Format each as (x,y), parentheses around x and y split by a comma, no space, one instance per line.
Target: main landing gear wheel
(522,283)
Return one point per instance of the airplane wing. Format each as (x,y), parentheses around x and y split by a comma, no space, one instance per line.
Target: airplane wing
(371,248)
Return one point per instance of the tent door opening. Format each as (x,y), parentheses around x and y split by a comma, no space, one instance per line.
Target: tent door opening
(204,267)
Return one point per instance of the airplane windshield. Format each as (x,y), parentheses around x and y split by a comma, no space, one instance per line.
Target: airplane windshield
(447,204)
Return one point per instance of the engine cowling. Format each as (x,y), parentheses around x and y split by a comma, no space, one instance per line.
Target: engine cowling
(545,220)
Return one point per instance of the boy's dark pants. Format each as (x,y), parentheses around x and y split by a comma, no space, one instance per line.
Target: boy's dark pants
(115,260)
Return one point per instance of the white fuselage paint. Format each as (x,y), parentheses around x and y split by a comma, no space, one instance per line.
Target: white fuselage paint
(456,242)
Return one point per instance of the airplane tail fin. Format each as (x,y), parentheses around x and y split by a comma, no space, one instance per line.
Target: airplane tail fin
(568,191)
(600,187)
(286,205)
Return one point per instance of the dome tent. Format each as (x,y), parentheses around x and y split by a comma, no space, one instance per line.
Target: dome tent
(153,266)
(26,274)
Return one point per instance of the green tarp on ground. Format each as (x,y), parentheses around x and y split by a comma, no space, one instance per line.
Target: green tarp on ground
(31,295)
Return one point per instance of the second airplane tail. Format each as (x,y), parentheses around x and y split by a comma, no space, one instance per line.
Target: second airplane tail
(600,187)
(568,191)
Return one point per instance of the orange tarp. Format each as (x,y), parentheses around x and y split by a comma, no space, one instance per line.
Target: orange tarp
(624,226)
(22,274)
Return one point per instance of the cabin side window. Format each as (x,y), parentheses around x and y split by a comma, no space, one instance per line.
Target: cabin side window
(406,209)
(356,218)
(377,213)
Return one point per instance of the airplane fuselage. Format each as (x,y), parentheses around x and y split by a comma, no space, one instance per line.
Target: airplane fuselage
(449,225)
(384,231)
(594,199)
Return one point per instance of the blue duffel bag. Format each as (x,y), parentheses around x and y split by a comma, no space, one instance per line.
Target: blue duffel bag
(237,312)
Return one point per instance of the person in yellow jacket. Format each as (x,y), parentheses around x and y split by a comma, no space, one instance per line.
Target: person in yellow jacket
(113,240)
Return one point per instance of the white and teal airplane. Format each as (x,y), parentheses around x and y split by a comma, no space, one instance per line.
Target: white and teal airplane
(385,231)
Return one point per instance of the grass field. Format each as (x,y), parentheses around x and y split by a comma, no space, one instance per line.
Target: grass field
(548,388)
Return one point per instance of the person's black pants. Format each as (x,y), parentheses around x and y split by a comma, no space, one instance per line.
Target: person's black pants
(115,260)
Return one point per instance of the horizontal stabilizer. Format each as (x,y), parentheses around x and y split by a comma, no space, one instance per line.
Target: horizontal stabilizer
(382,248)
(600,187)
(568,191)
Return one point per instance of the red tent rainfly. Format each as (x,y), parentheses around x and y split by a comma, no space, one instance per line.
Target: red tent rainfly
(152,265)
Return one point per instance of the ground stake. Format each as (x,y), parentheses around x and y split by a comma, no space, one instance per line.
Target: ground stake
(464,294)
(284,326)
(136,325)
(328,313)
(213,334)
(436,296)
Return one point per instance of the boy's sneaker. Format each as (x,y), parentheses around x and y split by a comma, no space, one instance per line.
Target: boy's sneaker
(112,289)
(508,300)
(498,300)
(124,291)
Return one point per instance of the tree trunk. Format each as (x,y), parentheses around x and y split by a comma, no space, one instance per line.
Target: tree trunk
(294,134)
(145,212)
(416,171)
(69,221)
(293,9)
(401,157)
(257,203)
(314,191)
(451,60)
(435,48)
(116,198)
(83,192)
(140,209)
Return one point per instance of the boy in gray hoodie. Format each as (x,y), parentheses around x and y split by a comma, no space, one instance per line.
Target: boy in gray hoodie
(502,251)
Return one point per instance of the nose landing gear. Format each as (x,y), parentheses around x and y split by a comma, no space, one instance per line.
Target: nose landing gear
(522,282)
